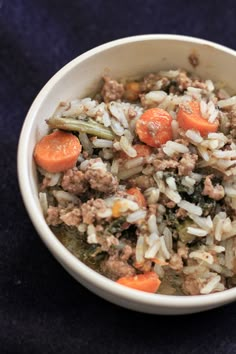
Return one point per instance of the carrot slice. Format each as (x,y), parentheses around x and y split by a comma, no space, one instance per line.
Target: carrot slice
(189,117)
(154,127)
(148,282)
(141,149)
(57,152)
(138,196)
(117,209)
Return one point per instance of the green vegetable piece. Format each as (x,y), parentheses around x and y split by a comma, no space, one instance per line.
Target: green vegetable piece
(88,126)
(182,228)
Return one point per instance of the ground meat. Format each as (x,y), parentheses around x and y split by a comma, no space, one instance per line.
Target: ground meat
(72,218)
(45,183)
(112,90)
(232,121)
(183,81)
(215,192)
(91,209)
(131,113)
(74,182)
(160,154)
(181,213)
(162,165)
(149,82)
(143,182)
(187,164)
(107,242)
(115,268)
(145,267)
(53,216)
(176,262)
(170,204)
(101,180)
(191,285)
(127,252)
(183,251)
(193,60)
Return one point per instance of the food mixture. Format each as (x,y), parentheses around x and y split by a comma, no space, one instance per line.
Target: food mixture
(139,182)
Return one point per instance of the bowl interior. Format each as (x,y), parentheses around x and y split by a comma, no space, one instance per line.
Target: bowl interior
(131,57)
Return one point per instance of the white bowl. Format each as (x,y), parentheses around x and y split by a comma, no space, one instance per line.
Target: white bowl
(121,58)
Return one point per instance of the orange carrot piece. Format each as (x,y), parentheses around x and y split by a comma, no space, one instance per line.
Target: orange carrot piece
(154,127)
(141,149)
(138,196)
(116,209)
(189,117)
(57,152)
(148,282)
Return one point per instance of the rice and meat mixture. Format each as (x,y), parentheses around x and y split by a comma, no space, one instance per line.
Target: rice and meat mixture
(153,190)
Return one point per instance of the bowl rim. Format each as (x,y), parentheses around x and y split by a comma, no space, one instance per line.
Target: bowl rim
(66,258)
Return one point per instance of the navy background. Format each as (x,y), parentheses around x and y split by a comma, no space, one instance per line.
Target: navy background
(42,309)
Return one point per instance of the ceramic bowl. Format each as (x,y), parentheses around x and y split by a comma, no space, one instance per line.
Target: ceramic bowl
(127,57)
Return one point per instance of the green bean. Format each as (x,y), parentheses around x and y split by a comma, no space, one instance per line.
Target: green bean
(88,126)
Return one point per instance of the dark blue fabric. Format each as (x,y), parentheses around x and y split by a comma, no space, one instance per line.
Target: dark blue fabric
(42,309)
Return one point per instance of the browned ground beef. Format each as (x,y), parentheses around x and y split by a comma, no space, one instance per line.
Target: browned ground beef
(101,180)
(90,209)
(74,181)
(143,182)
(162,165)
(116,268)
(215,192)
(112,90)
(187,164)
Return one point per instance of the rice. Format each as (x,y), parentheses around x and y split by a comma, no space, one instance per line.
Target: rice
(210,286)
(203,256)
(63,197)
(168,209)
(194,136)
(196,232)
(164,248)
(171,183)
(135,162)
(175,127)
(190,207)
(204,223)
(168,237)
(173,195)
(227,102)
(152,224)
(171,148)
(171,74)
(83,137)
(117,127)
(152,195)
(91,232)
(126,147)
(155,97)
(136,216)
(188,181)
(125,174)
(152,250)
(224,154)
(43,202)
(117,112)
(139,252)
(102,143)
